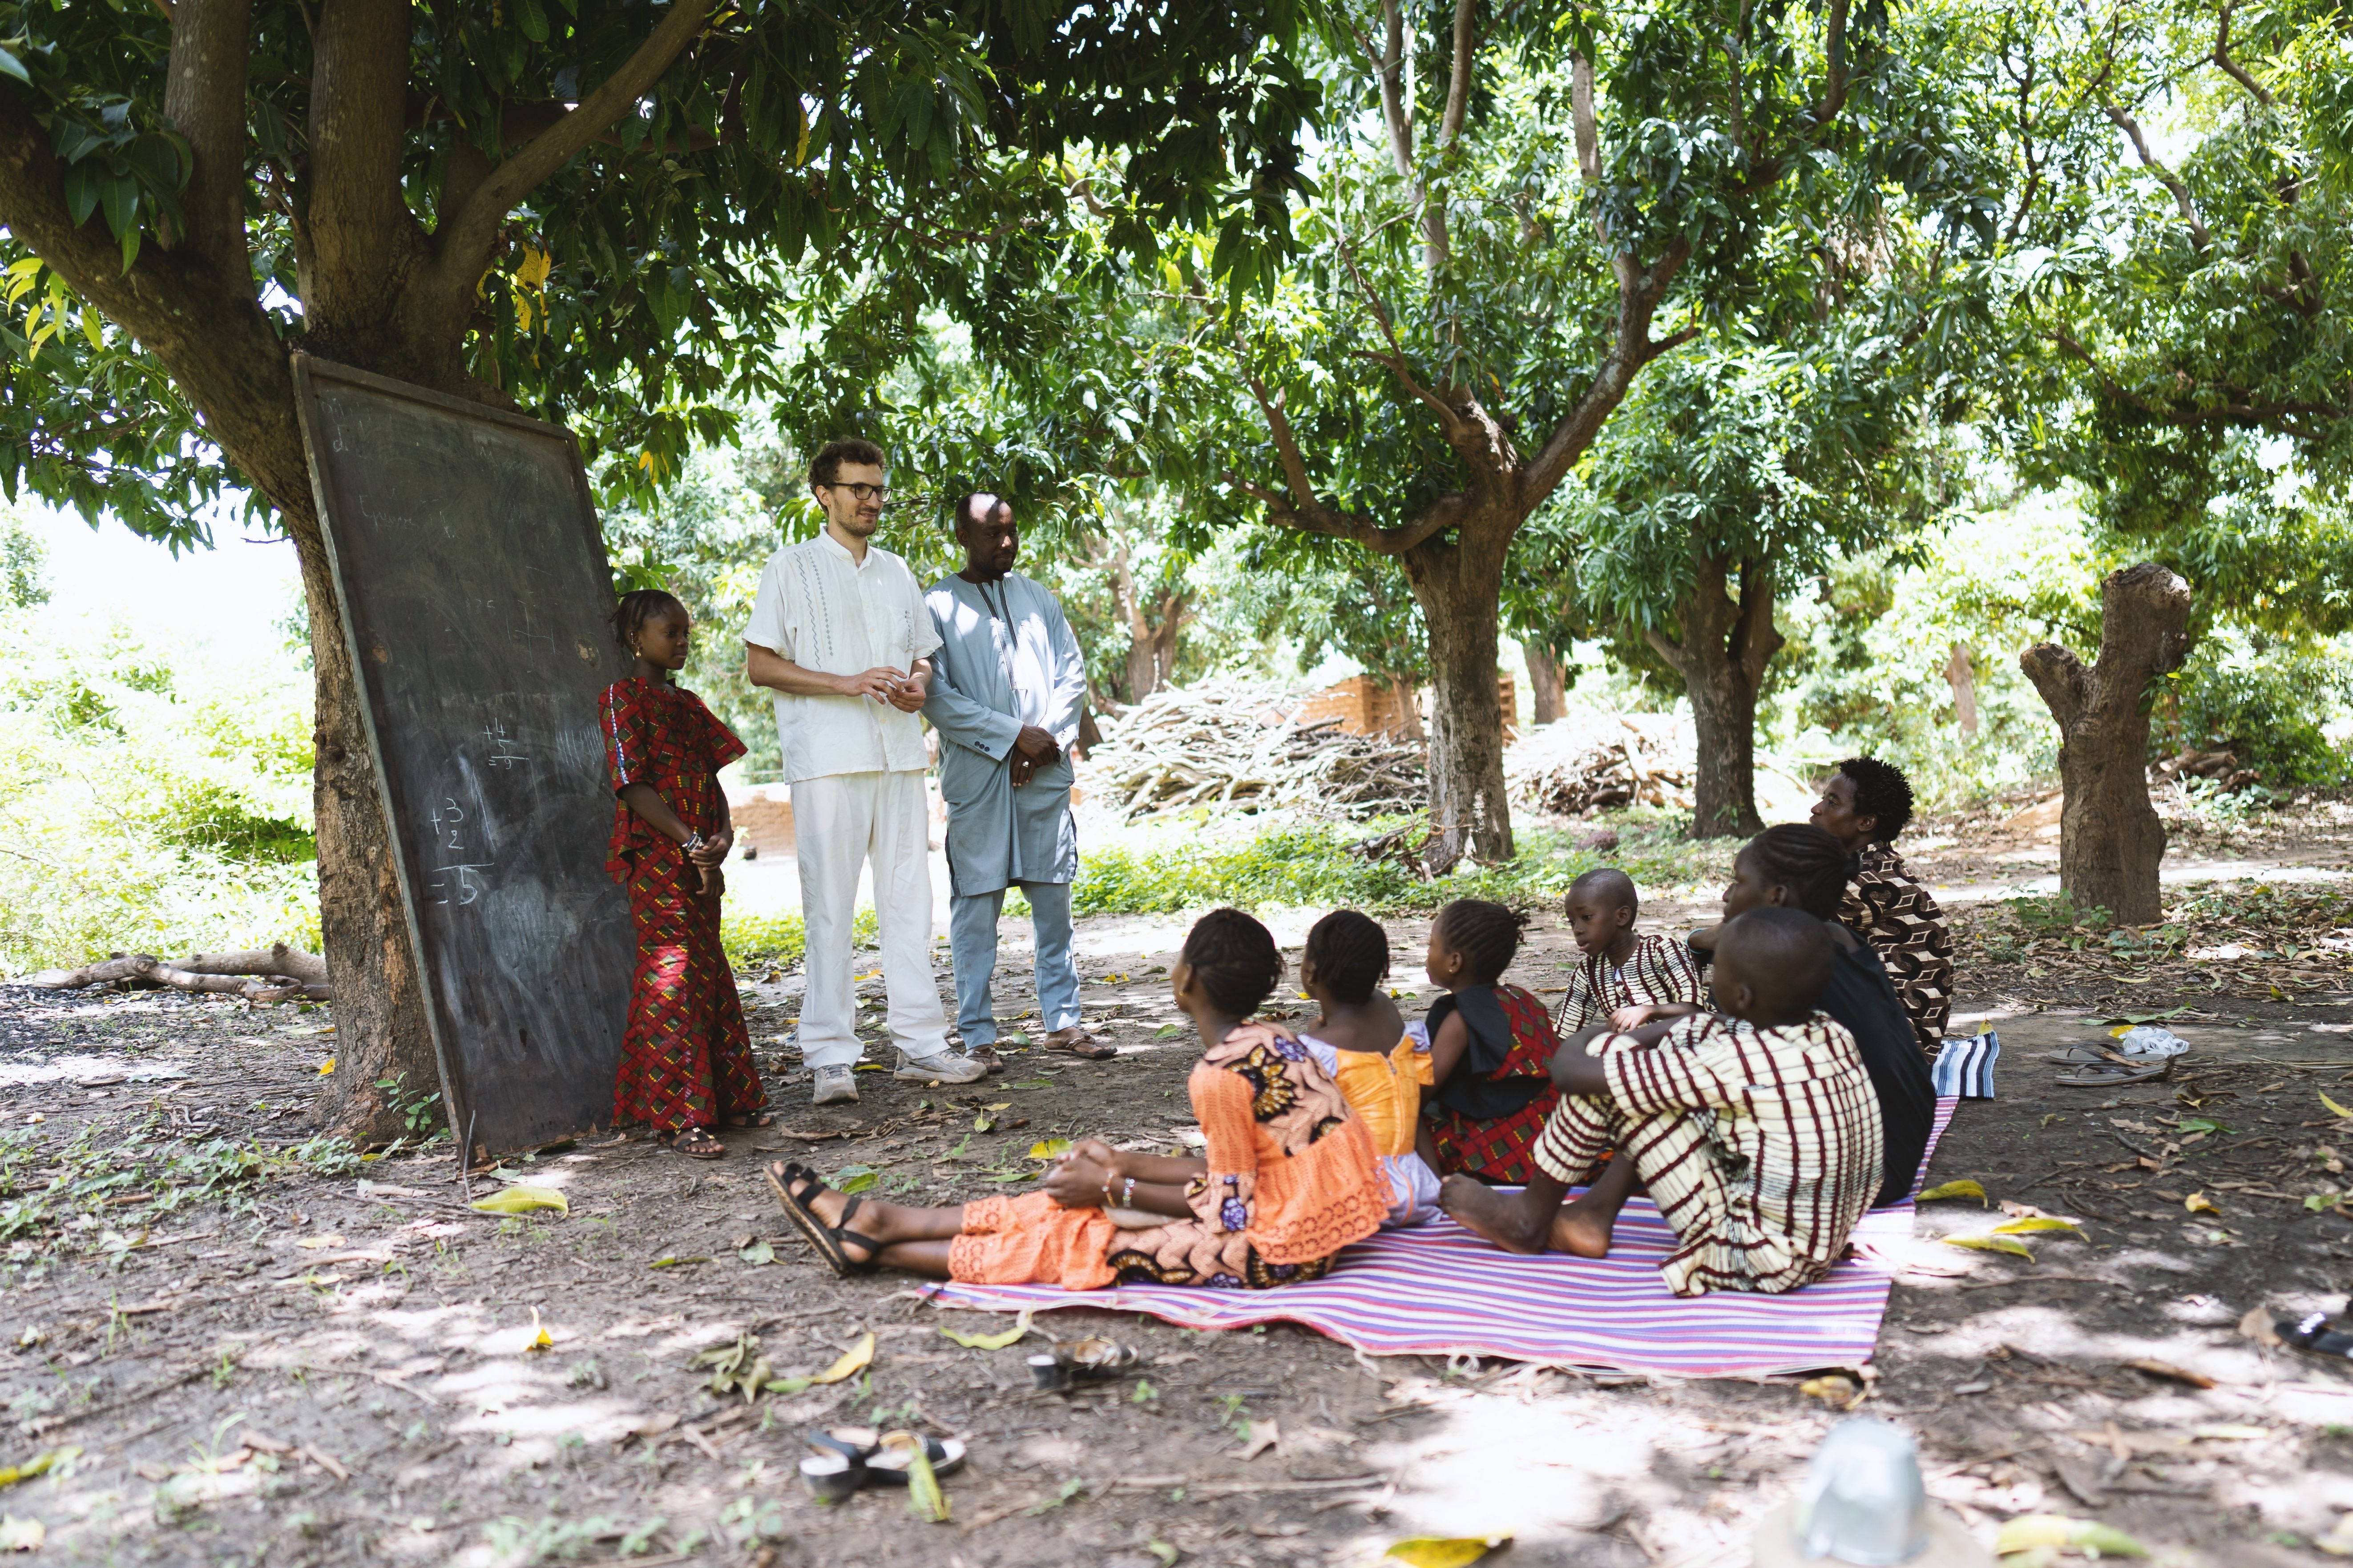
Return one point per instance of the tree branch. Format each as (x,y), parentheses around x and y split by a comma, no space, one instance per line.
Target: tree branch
(204,97)
(464,245)
(1458,87)
(1395,359)
(1582,119)
(2238,72)
(1640,289)
(2131,128)
(1395,112)
(2058,677)
(2278,417)
(1675,653)
(1834,74)
(1302,510)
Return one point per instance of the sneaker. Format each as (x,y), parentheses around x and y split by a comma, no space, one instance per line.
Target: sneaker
(835,1086)
(945,1068)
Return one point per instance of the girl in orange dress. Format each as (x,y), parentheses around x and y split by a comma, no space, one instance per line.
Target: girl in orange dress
(1289,1177)
(686,1061)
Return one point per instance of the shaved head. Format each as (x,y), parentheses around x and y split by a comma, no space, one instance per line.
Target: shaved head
(1607,888)
(1772,965)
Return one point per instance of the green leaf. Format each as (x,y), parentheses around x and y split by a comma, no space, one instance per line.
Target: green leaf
(522,1200)
(1049,1148)
(758,1253)
(1989,1244)
(852,1179)
(667,1261)
(2034,1223)
(118,194)
(1167,1031)
(989,1342)
(925,1498)
(531,20)
(11,66)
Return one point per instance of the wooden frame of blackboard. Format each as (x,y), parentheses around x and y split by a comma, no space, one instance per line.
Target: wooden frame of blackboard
(462,1098)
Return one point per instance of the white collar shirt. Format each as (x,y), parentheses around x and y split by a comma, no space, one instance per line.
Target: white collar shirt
(825,612)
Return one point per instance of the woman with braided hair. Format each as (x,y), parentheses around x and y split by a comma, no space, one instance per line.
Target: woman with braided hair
(1287,1179)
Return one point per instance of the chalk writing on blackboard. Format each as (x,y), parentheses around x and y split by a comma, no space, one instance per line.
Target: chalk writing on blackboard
(502,752)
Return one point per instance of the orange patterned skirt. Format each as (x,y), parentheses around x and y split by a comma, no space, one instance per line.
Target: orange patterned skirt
(1033,1240)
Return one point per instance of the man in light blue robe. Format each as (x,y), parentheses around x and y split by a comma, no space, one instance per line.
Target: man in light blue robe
(1008,684)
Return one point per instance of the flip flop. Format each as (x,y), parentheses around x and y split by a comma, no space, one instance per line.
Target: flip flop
(1082,1361)
(833,1478)
(830,1241)
(1079,1044)
(2313,1336)
(894,1455)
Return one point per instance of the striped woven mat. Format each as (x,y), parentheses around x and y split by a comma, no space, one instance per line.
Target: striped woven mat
(1436,1289)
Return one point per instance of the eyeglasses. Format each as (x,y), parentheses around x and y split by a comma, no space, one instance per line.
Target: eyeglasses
(864,493)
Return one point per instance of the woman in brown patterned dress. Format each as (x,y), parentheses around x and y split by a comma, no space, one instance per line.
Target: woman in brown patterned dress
(1866,803)
(1289,1177)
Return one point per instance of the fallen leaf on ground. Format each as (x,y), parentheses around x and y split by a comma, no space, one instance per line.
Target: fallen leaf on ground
(2339,1542)
(852,1179)
(854,1360)
(1446,1551)
(924,1498)
(1049,1148)
(2230,1432)
(22,1534)
(667,1261)
(327,1068)
(1963,1188)
(758,1253)
(1263,1435)
(2030,1531)
(2034,1223)
(2199,1203)
(522,1200)
(1168,1030)
(2017,1210)
(2172,1373)
(2257,1326)
(37,1465)
(2336,1107)
(1833,1389)
(1990,1244)
(990,1342)
(319,1241)
(539,1339)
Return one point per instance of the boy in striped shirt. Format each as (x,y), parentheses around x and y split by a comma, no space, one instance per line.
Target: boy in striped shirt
(1755,1130)
(1625,977)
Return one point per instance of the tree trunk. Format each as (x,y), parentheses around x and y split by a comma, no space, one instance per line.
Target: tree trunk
(1727,644)
(2111,844)
(386,1042)
(1547,689)
(1459,588)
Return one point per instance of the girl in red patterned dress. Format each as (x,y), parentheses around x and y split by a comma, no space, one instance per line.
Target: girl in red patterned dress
(1490,1050)
(686,1062)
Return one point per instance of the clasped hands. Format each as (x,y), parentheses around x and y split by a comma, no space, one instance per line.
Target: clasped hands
(898,687)
(1031,748)
(1086,1176)
(708,859)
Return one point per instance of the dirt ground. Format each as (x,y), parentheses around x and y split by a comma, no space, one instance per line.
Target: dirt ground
(250,1346)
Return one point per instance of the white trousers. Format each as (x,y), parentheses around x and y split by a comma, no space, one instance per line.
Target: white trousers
(841,822)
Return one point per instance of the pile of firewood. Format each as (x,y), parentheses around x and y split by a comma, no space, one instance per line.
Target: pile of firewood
(1587,762)
(1235,746)
(279,973)
(2222,766)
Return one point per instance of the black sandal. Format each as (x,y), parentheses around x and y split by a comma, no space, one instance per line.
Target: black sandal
(831,1241)
(695,1143)
(2313,1336)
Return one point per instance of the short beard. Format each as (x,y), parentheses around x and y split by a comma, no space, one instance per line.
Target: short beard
(857,525)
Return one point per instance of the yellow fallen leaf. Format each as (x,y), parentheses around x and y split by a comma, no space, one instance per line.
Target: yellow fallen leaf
(1445,1551)
(522,1200)
(326,1067)
(1964,1188)
(854,1360)
(539,1340)
(37,1465)
(924,1498)
(2230,1432)
(1990,1244)
(2033,1223)
(2336,1107)
(990,1342)
(22,1534)
(312,1243)
(2031,1530)
(1049,1148)
(2199,1203)
(1833,1389)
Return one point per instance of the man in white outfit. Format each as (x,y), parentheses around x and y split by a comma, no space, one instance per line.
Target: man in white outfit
(841,633)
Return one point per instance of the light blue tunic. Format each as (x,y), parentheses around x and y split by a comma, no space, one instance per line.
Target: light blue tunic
(1006,657)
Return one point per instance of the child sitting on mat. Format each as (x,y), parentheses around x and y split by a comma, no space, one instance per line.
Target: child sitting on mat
(1379,1062)
(1755,1130)
(1626,979)
(1289,1177)
(1491,1048)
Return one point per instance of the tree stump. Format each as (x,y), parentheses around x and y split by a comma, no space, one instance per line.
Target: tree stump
(2110,840)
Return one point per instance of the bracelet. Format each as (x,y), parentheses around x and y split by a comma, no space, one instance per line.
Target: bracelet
(693,842)
(1127,1195)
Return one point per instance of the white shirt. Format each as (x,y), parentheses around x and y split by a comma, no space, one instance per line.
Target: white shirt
(825,612)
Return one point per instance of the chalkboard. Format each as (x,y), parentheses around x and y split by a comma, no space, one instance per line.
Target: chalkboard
(474,593)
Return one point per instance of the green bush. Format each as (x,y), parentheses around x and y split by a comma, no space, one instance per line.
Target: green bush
(2264,702)
(782,939)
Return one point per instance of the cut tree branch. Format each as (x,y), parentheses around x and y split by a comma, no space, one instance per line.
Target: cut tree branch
(465,243)
(2166,177)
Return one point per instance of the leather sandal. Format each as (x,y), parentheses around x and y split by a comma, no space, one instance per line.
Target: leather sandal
(695,1143)
(794,1183)
(1075,1041)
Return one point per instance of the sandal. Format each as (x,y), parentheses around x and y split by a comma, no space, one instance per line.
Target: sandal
(2105,1074)
(1082,1361)
(831,1241)
(695,1143)
(1075,1041)
(2312,1335)
(833,1477)
(887,1457)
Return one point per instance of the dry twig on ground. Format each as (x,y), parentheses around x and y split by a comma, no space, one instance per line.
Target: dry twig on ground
(1231,744)
(278,974)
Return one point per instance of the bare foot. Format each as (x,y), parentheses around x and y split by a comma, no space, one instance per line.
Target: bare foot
(1582,1228)
(1480,1209)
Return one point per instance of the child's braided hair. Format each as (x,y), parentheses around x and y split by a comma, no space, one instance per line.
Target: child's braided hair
(1881,791)
(1486,934)
(638,606)
(1235,960)
(1350,952)
(1809,861)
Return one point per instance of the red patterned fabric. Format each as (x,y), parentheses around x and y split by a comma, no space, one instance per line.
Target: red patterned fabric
(1501,1150)
(661,735)
(686,1060)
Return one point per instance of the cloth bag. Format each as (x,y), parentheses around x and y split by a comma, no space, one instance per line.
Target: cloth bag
(1964,1069)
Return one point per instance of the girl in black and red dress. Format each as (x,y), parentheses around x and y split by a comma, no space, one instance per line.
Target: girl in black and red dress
(686,1062)
(1490,1050)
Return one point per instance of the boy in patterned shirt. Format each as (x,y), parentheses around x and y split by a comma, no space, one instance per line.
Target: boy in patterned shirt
(1757,1134)
(1625,978)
